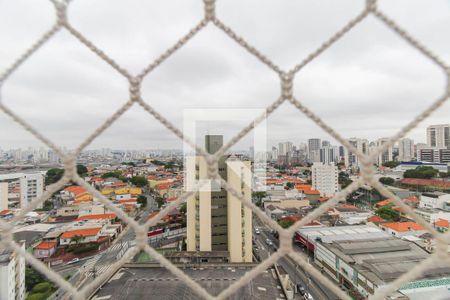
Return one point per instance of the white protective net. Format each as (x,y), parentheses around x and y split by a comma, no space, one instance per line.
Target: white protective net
(286,79)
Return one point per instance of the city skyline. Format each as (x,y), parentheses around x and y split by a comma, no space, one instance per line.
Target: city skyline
(370,77)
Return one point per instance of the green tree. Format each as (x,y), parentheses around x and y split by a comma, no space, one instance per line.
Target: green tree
(32,277)
(286,223)
(116,174)
(42,287)
(139,181)
(391,164)
(142,200)
(290,185)
(423,172)
(82,170)
(258,196)
(444,174)
(388,213)
(344,179)
(75,239)
(183,208)
(53,175)
(48,205)
(387,180)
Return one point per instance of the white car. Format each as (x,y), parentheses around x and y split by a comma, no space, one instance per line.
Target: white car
(308,296)
(257,231)
(75,260)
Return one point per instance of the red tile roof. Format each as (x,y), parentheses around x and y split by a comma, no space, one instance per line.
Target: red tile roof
(403,226)
(5,212)
(45,245)
(80,232)
(384,202)
(76,190)
(96,217)
(376,219)
(426,182)
(152,215)
(441,223)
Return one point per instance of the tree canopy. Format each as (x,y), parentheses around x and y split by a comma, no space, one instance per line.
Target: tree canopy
(344,179)
(391,164)
(387,180)
(423,172)
(286,223)
(53,175)
(139,181)
(142,200)
(388,213)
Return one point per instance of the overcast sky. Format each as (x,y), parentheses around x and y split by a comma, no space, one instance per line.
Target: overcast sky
(367,85)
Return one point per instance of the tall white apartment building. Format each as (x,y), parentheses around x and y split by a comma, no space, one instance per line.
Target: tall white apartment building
(350,158)
(217,220)
(438,136)
(325,179)
(12,275)
(314,146)
(31,185)
(406,149)
(387,155)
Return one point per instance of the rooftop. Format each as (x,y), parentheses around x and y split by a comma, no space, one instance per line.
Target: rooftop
(135,283)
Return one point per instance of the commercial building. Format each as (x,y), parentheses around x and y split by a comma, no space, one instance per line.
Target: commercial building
(12,275)
(23,187)
(438,136)
(434,200)
(3,196)
(367,265)
(217,220)
(405,149)
(325,179)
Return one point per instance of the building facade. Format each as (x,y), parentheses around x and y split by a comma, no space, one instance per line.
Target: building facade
(314,150)
(325,179)
(405,149)
(216,219)
(25,186)
(438,136)
(12,275)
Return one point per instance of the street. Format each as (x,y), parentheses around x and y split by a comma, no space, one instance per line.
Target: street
(296,274)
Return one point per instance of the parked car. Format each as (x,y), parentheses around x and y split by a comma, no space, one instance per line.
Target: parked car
(257,231)
(269,242)
(300,289)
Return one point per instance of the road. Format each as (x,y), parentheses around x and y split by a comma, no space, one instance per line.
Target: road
(296,274)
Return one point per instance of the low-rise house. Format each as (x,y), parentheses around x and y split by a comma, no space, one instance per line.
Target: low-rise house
(44,249)
(432,215)
(84,235)
(400,229)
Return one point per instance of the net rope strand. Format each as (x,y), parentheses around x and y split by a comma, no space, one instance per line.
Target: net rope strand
(286,94)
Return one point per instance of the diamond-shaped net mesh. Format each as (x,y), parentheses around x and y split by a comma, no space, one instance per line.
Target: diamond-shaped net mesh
(286,79)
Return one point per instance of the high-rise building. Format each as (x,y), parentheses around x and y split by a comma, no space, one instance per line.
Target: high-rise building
(325,179)
(217,220)
(12,275)
(284,148)
(387,155)
(438,136)
(325,143)
(314,150)
(405,149)
(329,155)
(350,158)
